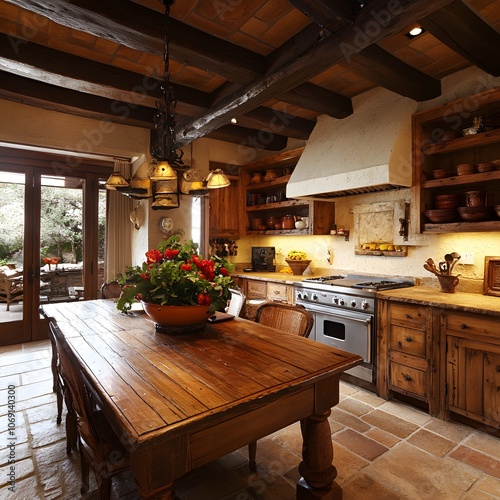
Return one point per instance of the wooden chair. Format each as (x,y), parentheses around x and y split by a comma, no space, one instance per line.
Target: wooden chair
(63,393)
(100,447)
(236,302)
(287,318)
(111,290)
(11,289)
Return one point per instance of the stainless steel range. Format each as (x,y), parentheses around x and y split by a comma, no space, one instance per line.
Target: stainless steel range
(344,309)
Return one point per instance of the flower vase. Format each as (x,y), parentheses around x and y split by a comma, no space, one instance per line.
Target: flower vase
(177,319)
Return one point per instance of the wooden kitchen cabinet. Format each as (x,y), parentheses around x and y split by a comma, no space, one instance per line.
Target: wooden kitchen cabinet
(438,143)
(280,292)
(224,213)
(406,355)
(267,198)
(472,370)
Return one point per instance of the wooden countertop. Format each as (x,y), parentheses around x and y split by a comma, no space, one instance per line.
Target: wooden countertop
(458,301)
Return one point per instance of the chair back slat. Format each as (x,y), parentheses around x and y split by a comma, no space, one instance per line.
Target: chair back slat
(285,317)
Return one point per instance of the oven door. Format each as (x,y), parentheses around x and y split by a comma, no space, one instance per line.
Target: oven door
(349,331)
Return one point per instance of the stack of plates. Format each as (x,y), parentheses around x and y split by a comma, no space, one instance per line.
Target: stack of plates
(475,214)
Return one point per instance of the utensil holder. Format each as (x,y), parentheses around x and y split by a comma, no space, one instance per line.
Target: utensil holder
(448,283)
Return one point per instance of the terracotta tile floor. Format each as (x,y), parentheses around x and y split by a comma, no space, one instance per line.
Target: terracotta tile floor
(383,450)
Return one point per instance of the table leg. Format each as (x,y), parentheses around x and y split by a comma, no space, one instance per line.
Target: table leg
(318,473)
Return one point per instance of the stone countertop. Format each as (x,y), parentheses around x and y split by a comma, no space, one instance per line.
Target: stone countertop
(458,301)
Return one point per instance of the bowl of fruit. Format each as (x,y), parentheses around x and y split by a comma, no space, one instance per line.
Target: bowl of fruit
(297,261)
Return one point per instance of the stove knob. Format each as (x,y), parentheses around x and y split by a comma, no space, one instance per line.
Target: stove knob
(314,296)
(335,299)
(365,304)
(299,295)
(353,303)
(341,302)
(304,296)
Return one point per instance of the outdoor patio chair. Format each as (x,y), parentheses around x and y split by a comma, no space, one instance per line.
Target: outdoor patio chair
(11,289)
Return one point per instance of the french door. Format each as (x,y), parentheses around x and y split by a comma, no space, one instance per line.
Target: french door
(50,238)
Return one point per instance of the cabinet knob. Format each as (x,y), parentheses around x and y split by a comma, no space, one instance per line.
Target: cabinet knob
(464,326)
(409,316)
(408,339)
(407,377)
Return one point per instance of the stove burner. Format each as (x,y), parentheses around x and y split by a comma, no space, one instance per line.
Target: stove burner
(321,279)
(377,284)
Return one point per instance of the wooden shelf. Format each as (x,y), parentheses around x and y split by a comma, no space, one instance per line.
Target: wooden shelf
(277,205)
(460,180)
(467,142)
(277,232)
(463,227)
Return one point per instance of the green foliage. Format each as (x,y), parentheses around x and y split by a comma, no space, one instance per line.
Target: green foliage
(174,274)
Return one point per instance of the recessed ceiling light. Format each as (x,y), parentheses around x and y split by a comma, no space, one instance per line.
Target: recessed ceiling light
(234,120)
(416,31)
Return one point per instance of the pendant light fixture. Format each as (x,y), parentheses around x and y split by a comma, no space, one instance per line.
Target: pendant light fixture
(217,179)
(116,179)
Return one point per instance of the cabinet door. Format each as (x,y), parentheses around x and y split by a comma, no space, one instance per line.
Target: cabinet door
(473,379)
(224,216)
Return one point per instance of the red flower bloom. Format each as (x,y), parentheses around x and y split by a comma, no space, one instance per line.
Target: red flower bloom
(139,296)
(186,267)
(224,271)
(170,253)
(145,276)
(153,256)
(204,299)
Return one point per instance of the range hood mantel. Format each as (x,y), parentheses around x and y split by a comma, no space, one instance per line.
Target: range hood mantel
(366,152)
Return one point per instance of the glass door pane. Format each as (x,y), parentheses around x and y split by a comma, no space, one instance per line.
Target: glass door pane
(61,239)
(12,279)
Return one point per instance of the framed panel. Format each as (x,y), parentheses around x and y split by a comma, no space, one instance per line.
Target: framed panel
(492,276)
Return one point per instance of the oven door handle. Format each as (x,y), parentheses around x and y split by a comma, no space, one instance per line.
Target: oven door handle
(341,313)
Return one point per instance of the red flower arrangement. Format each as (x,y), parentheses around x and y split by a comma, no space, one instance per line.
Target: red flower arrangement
(175,274)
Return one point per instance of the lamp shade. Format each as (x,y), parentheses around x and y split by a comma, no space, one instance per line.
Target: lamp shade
(217,179)
(116,180)
(163,172)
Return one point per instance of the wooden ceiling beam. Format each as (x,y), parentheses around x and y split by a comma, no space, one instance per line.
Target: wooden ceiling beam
(372,24)
(330,15)
(373,62)
(46,96)
(142,29)
(251,138)
(457,26)
(271,120)
(381,67)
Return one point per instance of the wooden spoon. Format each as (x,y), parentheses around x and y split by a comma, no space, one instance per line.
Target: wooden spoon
(431,269)
(431,263)
(449,261)
(456,258)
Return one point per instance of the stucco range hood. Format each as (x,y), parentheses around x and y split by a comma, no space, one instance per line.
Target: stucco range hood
(366,152)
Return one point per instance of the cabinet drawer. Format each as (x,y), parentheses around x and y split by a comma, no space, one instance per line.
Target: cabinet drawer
(278,292)
(408,341)
(408,379)
(477,325)
(408,315)
(256,289)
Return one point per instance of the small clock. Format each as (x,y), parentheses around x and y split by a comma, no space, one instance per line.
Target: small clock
(166,224)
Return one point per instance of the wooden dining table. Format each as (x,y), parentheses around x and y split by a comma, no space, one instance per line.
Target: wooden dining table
(181,401)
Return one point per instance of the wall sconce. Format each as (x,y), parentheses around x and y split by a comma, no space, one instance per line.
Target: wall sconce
(136,216)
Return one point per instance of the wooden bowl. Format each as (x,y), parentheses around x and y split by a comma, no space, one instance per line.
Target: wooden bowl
(465,169)
(438,216)
(475,214)
(441,174)
(298,266)
(485,167)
